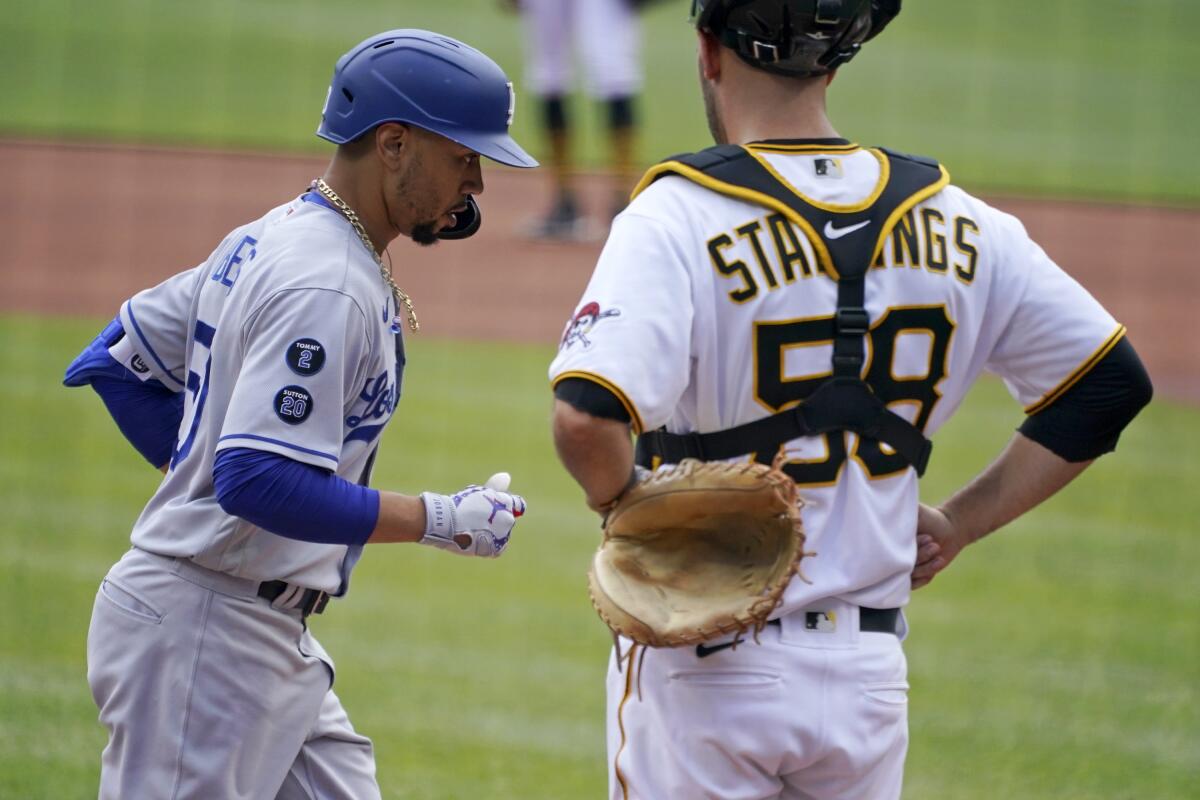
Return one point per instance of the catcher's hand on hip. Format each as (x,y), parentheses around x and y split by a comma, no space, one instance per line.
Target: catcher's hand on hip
(476,521)
(938,543)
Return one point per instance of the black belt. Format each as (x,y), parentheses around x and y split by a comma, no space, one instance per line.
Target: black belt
(312,602)
(879,620)
(871,620)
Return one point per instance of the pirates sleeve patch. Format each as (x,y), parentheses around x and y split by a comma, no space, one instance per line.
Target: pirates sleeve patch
(583,322)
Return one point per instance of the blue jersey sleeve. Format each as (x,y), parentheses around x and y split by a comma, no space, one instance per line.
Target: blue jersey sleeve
(292,499)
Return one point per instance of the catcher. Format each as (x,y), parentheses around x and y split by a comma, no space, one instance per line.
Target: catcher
(788,287)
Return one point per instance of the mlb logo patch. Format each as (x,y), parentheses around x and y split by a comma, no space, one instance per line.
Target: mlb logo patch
(820,621)
(828,168)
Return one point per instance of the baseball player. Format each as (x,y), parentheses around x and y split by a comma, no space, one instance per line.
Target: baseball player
(607,37)
(261,382)
(791,288)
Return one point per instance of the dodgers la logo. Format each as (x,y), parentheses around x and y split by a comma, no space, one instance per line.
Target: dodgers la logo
(583,322)
(376,402)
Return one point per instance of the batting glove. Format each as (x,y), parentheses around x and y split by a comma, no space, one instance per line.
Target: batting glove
(477,521)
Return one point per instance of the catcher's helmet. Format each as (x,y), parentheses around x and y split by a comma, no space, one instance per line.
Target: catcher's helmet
(428,80)
(797,38)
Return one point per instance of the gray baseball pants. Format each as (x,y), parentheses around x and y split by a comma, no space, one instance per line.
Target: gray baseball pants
(209,692)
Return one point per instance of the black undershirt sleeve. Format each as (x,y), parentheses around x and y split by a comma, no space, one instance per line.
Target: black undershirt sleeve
(1086,421)
(591,398)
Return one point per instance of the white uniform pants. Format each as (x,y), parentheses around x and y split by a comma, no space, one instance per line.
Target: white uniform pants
(607,37)
(209,692)
(812,714)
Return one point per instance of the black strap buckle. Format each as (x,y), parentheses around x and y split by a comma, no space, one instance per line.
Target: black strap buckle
(851,322)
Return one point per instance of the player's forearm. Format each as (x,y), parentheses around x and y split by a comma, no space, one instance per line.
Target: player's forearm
(598,453)
(401,519)
(1024,475)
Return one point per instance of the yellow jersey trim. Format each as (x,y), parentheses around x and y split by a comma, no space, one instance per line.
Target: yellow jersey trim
(839,149)
(621,721)
(906,206)
(885,172)
(742,193)
(634,416)
(1083,369)
(752,196)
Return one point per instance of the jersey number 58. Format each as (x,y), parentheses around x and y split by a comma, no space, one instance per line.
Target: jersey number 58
(777,392)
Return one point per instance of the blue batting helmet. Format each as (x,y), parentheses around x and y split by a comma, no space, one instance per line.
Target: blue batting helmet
(428,80)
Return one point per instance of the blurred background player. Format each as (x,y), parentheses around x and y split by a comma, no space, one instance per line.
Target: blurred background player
(606,36)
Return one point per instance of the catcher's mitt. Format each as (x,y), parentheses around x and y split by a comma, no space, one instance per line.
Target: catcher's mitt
(697,550)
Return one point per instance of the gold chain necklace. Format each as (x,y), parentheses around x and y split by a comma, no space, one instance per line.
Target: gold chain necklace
(384,272)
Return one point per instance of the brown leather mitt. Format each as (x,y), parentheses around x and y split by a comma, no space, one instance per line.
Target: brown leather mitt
(697,550)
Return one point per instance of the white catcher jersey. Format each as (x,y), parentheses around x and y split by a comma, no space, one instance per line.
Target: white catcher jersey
(706,312)
(285,340)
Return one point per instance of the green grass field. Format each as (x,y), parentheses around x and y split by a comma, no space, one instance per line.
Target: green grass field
(1065,97)
(1057,659)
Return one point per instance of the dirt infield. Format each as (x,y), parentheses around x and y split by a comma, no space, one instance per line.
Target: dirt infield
(85,226)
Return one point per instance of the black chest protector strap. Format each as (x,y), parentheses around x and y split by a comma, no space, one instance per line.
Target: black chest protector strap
(847,242)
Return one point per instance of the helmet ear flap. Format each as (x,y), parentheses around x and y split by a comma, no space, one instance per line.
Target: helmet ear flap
(466,223)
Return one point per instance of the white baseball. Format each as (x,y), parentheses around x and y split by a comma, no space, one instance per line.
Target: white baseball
(499,482)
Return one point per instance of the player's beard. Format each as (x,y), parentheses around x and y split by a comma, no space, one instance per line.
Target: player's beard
(408,188)
(710,112)
(424,233)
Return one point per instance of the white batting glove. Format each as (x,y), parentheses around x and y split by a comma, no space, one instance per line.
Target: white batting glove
(477,521)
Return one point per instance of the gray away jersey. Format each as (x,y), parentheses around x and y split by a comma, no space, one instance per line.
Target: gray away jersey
(285,340)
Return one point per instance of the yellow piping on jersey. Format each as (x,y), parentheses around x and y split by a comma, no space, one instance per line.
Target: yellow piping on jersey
(840,149)
(906,206)
(1083,369)
(742,193)
(751,196)
(635,418)
(621,722)
(885,172)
